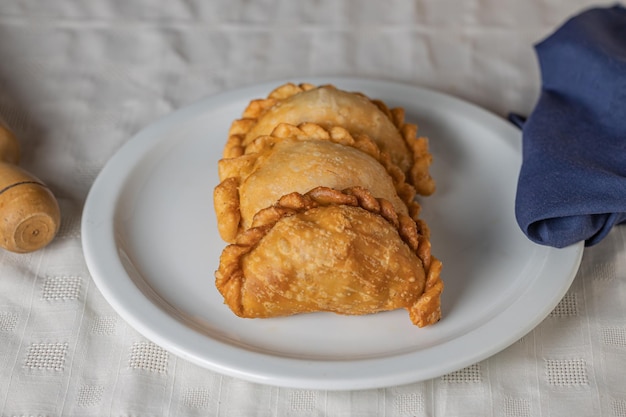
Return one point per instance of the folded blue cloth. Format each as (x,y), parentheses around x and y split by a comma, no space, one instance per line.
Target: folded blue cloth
(572,184)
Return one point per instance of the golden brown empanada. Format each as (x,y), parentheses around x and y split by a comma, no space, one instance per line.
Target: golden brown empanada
(298,159)
(328,250)
(328,106)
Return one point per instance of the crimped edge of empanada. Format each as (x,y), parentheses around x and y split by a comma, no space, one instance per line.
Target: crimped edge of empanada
(419,175)
(226,193)
(256,108)
(415,234)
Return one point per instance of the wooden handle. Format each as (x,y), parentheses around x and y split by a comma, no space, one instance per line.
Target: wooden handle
(29,213)
(9,146)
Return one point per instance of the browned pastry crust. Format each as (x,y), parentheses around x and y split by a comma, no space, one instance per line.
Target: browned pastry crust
(300,158)
(329,106)
(329,250)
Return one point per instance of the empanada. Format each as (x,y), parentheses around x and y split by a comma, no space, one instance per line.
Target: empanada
(298,159)
(328,106)
(328,250)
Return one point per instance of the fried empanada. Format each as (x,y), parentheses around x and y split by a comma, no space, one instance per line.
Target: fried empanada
(328,250)
(298,159)
(328,106)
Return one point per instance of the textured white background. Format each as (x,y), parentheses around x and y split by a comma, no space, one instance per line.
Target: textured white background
(79,78)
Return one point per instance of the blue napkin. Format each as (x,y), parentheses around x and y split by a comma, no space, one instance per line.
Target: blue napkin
(572,184)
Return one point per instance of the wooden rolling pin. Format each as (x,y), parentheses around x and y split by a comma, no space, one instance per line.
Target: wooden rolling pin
(29,213)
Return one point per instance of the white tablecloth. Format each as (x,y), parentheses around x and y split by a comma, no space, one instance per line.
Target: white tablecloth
(79,78)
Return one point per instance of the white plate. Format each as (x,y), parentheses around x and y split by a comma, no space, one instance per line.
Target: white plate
(151,244)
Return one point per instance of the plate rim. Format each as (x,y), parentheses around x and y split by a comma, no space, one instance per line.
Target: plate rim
(319,374)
